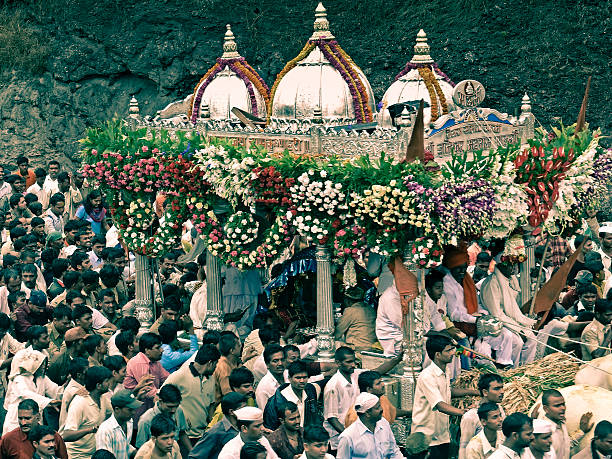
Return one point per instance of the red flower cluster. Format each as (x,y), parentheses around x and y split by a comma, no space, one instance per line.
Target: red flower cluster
(541,170)
(271,188)
(184,177)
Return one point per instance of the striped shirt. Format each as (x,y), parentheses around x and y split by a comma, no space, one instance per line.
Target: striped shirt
(112,437)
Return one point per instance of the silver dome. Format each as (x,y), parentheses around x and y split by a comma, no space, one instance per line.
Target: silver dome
(411,87)
(226,91)
(315,84)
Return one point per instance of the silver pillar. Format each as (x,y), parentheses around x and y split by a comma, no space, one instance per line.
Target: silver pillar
(412,363)
(144,297)
(325,313)
(526,267)
(214,299)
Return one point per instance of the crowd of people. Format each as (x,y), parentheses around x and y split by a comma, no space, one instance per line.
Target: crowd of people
(82,379)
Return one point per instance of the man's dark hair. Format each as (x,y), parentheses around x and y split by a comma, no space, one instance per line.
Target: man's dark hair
(343,352)
(14,296)
(71,278)
(36,221)
(8,261)
(21,159)
(227,343)
(95,376)
(29,405)
(106,292)
(40,172)
(62,312)
(53,162)
(433,277)
(290,348)
(72,295)
(514,423)
(90,277)
(124,340)
(11,274)
(59,266)
(77,366)
(103,454)
(485,380)
(231,401)
(586,289)
(48,255)
(436,344)
(162,424)
(168,332)
(98,239)
(109,275)
(5,321)
(91,343)
(169,393)
(240,376)
(129,323)
(114,362)
(40,431)
(251,449)
(269,335)
(211,337)
(602,306)
(297,367)
(207,353)
(29,268)
(71,225)
(35,332)
(485,408)
(315,434)
(80,310)
(287,406)
(29,199)
(260,320)
(55,199)
(367,379)
(172,303)
(148,341)
(270,350)
(548,393)
(77,259)
(579,238)
(602,430)
(14,200)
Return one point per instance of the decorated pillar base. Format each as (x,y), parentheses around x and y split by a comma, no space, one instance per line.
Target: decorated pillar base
(144,300)
(214,298)
(325,314)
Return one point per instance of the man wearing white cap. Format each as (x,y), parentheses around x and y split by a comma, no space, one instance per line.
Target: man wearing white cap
(605,238)
(250,422)
(369,437)
(541,445)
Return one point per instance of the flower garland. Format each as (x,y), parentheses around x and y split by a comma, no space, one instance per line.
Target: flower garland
(241,228)
(514,250)
(270,187)
(289,66)
(427,77)
(243,70)
(319,201)
(240,255)
(348,242)
(425,253)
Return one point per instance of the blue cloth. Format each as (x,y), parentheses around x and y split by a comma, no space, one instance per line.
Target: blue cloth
(172,360)
(96,227)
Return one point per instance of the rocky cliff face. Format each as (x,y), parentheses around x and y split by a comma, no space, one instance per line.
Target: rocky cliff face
(75,63)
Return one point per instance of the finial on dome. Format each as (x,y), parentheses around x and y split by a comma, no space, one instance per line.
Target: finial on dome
(134,110)
(321,24)
(421,50)
(230,49)
(526,104)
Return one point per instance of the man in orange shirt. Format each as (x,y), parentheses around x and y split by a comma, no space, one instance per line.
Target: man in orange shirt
(230,348)
(371,381)
(25,172)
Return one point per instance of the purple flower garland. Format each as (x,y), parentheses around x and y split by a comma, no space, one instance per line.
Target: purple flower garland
(412,66)
(347,71)
(220,65)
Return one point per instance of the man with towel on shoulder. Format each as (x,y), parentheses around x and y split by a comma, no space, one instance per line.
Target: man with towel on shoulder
(462,307)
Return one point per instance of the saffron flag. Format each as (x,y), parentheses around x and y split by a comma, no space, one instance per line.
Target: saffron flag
(406,283)
(416,146)
(582,115)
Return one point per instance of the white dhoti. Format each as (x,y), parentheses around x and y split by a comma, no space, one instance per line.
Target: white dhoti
(389,321)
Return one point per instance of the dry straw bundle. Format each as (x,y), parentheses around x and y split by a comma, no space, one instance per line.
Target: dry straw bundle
(524,384)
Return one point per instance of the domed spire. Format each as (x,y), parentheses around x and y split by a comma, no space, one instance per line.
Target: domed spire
(230,50)
(321,24)
(421,50)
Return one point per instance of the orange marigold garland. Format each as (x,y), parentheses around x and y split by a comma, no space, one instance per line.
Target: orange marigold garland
(427,75)
(367,107)
(261,86)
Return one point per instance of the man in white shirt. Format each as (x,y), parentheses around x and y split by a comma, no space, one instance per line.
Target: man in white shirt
(498,297)
(272,380)
(369,437)
(37,187)
(54,215)
(518,430)
(389,321)
(250,423)
(490,437)
(342,390)
(491,388)
(316,442)
(605,238)
(432,398)
(51,184)
(564,443)
(5,188)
